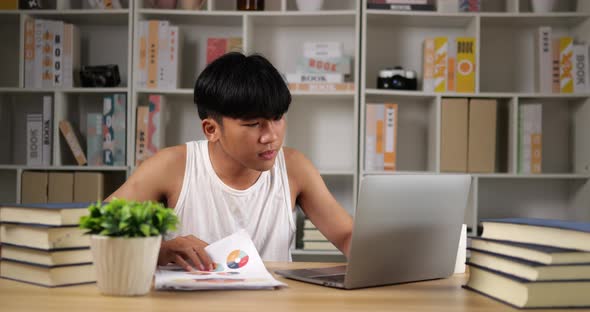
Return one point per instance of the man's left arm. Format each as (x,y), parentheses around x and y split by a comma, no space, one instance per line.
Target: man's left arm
(317,202)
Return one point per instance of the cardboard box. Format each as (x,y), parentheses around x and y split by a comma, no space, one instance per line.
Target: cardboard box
(453,148)
(34,187)
(61,187)
(481,153)
(89,186)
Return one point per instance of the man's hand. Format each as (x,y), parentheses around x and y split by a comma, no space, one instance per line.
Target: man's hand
(183,250)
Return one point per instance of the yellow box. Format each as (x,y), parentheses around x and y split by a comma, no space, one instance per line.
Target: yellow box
(465,73)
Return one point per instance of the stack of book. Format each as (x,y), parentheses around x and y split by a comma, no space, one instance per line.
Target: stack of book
(313,239)
(42,244)
(323,67)
(532,263)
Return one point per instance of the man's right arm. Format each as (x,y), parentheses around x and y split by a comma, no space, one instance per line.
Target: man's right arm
(160,178)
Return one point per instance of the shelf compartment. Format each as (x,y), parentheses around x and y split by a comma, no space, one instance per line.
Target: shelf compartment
(8,186)
(416,131)
(533,198)
(324,131)
(10,52)
(119,17)
(13,124)
(342,188)
(565,131)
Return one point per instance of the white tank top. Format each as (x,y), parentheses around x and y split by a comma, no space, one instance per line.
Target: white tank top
(211,210)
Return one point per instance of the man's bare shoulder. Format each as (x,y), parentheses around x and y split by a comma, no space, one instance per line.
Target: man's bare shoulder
(298,166)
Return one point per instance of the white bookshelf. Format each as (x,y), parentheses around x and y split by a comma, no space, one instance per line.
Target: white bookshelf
(504,70)
(105,38)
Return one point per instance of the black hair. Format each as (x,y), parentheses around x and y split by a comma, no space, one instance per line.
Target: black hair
(241,87)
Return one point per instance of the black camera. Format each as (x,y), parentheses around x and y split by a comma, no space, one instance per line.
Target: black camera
(397,78)
(100,76)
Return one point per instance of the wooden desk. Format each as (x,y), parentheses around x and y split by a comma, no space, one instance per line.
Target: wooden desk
(438,295)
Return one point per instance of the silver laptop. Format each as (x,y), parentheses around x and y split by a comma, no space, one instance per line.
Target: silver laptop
(406,228)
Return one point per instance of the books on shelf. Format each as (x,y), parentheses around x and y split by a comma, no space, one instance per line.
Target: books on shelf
(51,53)
(321,87)
(381,137)
(340,65)
(158,59)
(47,214)
(514,262)
(400,6)
(449,64)
(94,139)
(67,131)
(532,252)
(530,138)
(34,139)
(566,68)
(465,65)
(441,52)
(315,78)
(217,47)
(113,129)
(581,67)
(544,58)
(428,65)
(150,128)
(49,276)
(47,129)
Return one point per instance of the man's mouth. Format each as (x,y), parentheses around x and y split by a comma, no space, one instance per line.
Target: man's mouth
(268,155)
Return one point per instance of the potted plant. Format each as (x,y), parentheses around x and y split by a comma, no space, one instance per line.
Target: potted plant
(125,243)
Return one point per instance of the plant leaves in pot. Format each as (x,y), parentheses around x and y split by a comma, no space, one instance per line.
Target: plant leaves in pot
(125,242)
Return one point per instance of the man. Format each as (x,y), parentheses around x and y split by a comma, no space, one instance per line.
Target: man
(241,176)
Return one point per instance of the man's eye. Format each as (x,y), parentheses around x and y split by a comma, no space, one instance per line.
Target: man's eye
(254,124)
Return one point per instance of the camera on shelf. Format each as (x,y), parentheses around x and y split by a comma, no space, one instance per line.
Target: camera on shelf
(100,76)
(397,78)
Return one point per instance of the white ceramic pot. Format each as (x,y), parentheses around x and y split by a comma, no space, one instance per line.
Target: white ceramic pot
(543,6)
(309,5)
(125,266)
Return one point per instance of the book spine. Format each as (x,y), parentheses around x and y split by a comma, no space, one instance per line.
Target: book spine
(94,139)
(119,126)
(34,139)
(142,57)
(163,51)
(380,141)
(67,61)
(469,5)
(47,129)
(451,66)
(141,134)
(234,44)
(321,87)
(371,138)
(216,47)
(400,7)
(315,78)
(428,69)
(329,49)
(544,59)
(152,55)
(108,131)
(340,65)
(389,153)
(48,35)
(68,132)
(38,63)
(466,65)
(154,132)
(581,68)
(58,37)
(29,49)
(171,71)
(537,140)
(399,1)
(530,138)
(555,81)
(566,53)
(440,63)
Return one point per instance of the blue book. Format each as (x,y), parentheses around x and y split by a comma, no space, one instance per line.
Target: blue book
(522,293)
(536,253)
(554,233)
(54,214)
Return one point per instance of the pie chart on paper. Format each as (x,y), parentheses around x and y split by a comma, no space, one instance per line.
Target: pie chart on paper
(237,259)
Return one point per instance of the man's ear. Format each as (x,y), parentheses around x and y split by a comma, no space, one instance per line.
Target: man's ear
(211,129)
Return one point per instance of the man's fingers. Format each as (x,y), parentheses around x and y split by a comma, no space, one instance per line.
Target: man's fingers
(205,259)
(196,241)
(180,261)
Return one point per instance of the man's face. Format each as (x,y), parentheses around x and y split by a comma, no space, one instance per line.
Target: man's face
(254,143)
